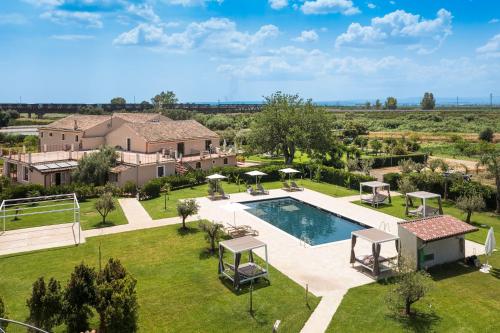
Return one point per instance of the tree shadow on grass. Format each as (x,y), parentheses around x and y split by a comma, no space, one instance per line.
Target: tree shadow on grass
(417,322)
(450,270)
(101,225)
(245,288)
(187,231)
(206,254)
(495,272)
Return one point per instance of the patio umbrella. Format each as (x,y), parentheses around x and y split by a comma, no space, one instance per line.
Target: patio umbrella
(489,245)
(234,207)
(224,144)
(289,171)
(256,174)
(217,178)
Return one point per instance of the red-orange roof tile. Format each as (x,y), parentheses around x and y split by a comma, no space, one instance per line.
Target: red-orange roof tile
(437,227)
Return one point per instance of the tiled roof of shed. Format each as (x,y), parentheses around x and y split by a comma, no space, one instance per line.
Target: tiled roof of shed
(437,227)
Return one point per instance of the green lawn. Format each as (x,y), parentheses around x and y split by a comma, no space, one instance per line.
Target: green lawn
(482,220)
(461,300)
(156,207)
(298,158)
(177,284)
(89,217)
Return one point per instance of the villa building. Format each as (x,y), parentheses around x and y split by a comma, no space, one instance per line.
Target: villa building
(149,145)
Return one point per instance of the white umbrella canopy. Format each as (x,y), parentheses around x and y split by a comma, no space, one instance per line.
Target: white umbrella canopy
(489,245)
(216,176)
(256,174)
(289,170)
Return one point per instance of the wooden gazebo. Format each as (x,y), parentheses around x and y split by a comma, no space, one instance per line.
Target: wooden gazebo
(238,272)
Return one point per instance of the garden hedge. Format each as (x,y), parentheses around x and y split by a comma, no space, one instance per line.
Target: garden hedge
(393,160)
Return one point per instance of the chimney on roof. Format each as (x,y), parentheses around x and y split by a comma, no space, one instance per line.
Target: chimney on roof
(75,126)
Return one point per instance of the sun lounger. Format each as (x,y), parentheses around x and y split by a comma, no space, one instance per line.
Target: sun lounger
(286,187)
(429,211)
(295,187)
(223,195)
(261,190)
(212,195)
(240,231)
(375,200)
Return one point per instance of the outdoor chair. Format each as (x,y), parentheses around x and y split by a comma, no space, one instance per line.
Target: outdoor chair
(430,211)
(240,231)
(223,194)
(295,187)
(261,189)
(212,195)
(286,187)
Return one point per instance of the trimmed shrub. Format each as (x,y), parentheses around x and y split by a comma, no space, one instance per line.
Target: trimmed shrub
(392,179)
(393,160)
(151,189)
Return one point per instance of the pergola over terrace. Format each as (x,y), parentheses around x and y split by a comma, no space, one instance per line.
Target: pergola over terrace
(423,210)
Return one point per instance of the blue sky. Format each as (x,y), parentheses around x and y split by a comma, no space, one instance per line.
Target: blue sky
(241,50)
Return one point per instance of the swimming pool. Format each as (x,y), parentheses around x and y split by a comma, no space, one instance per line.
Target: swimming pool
(311,224)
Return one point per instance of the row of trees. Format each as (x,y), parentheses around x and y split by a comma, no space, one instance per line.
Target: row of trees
(163,98)
(428,102)
(110,292)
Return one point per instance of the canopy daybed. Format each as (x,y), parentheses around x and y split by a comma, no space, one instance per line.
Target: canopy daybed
(423,210)
(238,272)
(374,262)
(375,198)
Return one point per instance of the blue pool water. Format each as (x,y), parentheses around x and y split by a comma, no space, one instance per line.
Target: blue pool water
(309,223)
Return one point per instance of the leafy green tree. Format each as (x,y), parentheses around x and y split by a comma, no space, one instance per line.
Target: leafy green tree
(116,299)
(187,208)
(45,304)
(491,160)
(213,233)
(428,102)
(104,205)
(487,135)
(410,287)
(378,105)
(79,296)
(118,101)
(470,203)
(368,105)
(287,123)
(94,168)
(391,103)
(376,146)
(438,163)
(164,98)
(4,119)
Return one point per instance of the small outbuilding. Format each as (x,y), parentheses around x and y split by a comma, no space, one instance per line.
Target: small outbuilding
(237,271)
(433,240)
(375,197)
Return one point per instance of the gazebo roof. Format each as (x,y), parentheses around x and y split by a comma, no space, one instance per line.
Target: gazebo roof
(242,244)
(374,235)
(423,195)
(437,227)
(374,183)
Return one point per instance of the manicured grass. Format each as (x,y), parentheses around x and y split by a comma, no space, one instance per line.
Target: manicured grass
(482,220)
(178,288)
(89,217)
(462,299)
(298,158)
(156,207)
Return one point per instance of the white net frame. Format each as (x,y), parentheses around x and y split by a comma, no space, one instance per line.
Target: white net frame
(49,204)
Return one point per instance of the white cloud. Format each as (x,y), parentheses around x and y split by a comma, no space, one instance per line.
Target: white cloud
(278,4)
(144,11)
(493,21)
(371,5)
(50,3)
(317,7)
(192,3)
(91,20)
(13,18)
(307,36)
(491,49)
(400,27)
(216,35)
(72,37)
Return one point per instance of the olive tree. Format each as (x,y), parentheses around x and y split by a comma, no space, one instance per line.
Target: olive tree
(470,203)
(187,208)
(94,168)
(410,286)
(213,233)
(104,205)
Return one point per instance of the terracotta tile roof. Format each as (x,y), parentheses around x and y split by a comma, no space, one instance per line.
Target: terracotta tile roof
(172,130)
(437,227)
(83,122)
(140,117)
